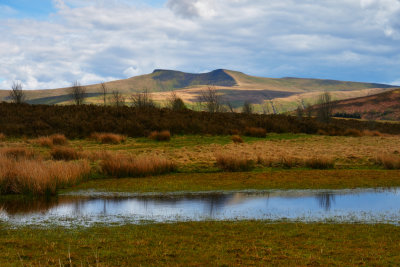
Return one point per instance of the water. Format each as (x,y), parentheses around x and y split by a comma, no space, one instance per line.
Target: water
(361,205)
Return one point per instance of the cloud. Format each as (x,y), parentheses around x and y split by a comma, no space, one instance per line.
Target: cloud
(98,40)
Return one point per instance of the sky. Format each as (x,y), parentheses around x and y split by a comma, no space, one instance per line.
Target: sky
(52,43)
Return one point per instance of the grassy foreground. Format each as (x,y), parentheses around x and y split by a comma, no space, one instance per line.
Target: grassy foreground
(272,179)
(203,243)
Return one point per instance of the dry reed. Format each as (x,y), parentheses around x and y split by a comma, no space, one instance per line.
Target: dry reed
(119,165)
(65,153)
(234,162)
(108,138)
(17,153)
(319,163)
(160,136)
(49,141)
(2,137)
(39,177)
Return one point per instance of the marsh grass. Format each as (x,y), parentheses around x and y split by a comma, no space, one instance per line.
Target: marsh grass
(49,141)
(388,161)
(234,162)
(17,153)
(119,165)
(319,163)
(237,139)
(65,153)
(255,132)
(108,138)
(2,137)
(160,136)
(39,177)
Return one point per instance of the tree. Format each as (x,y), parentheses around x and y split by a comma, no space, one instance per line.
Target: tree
(325,107)
(117,99)
(17,95)
(300,112)
(104,91)
(142,100)
(176,103)
(247,108)
(78,93)
(211,100)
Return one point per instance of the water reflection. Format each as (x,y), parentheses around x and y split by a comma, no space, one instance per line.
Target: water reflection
(305,205)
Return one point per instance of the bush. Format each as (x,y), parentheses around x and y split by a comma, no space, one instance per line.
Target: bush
(128,166)
(2,137)
(390,162)
(160,136)
(353,132)
(108,138)
(319,163)
(234,163)
(237,139)
(255,132)
(372,133)
(64,153)
(39,177)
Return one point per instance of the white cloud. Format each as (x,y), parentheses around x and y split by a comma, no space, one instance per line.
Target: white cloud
(98,40)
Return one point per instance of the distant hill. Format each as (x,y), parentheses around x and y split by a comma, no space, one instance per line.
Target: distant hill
(236,87)
(383,106)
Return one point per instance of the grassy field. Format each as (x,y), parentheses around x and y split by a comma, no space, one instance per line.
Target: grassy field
(203,244)
(224,243)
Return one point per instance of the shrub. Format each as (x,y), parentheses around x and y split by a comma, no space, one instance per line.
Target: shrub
(39,177)
(390,162)
(64,153)
(255,132)
(319,163)
(108,138)
(234,163)
(124,166)
(160,136)
(237,139)
(372,133)
(2,137)
(17,153)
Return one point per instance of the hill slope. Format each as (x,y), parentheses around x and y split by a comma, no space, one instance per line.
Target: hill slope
(383,106)
(235,87)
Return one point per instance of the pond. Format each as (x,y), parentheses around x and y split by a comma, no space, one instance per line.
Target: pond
(85,209)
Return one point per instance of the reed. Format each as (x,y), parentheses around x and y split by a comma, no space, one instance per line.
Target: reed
(237,139)
(17,153)
(319,163)
(388,161)
(2,137)
(119,165)
(39,177)
(65,153)
(49,141)
(234,162)
(108,138)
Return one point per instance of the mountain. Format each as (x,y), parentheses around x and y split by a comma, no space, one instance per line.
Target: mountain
(278,94)
(383,106)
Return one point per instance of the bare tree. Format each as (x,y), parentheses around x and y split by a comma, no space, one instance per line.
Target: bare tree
(117,99)
(230,107)
(78,93)
(247,108)
(17,95)
(104,91)
(142,100)
(325,107)
(211,100)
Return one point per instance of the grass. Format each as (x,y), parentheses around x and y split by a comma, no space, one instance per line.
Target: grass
(160,136)
(65,153)
(17,153)
(234,162)
(108,138)
(203,244)
(49,141)
(273,179)
(255,132)
(388,161)
(39,177)
(119,165)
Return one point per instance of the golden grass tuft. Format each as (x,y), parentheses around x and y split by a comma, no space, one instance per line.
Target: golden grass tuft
(2,137)
(39,177)
(255,132)
(319,163)
(160,136)
(237,139)
(388,161)
(119,165)
(353,132)
(17,153)
(64,153)
(372,133)
(234,162)
(108,138)
(49,141)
